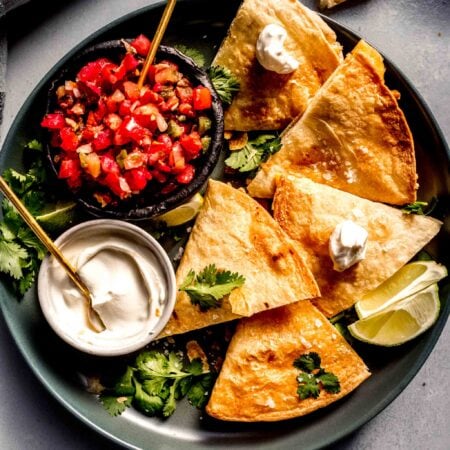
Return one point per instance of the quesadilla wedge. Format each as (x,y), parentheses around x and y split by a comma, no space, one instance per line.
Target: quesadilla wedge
(268,100)
(236,234)
(258,381)
(309,212)
(353,136)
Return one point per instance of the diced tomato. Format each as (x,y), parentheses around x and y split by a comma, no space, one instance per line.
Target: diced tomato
(166,72)
(101,111)
(125,108)
(53,121)
(103,140)
(118,185)
(141,44)
(176,157)
(202,98)
(158,176)
(132,129)
(109,73)
(109,164)
(186,175)
(145,116)
(184,93)
(69,168)
(147,95)
(92,70)
(69,140)
(137,178)
(191,144)
(186,109)
(131,90)
(128,64)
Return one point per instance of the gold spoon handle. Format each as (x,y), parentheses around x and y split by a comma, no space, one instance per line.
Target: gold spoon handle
(156,40)
(43,237)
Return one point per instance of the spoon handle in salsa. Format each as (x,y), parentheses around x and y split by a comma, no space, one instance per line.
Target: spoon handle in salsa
(44,238)
(164,21)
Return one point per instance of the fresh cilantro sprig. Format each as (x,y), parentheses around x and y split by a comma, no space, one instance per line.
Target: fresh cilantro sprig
(224,82)
(208,287)
(254,153)
(20,250)
(420,208)
(313,378)
(155,383)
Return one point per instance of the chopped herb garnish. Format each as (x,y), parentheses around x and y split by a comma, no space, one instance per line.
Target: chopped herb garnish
(224,82)
(313,377)
(208,287)
(20,249)
(254,153)
(155,382)
(420,208)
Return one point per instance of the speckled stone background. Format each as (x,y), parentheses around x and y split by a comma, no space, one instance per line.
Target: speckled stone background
(415,35)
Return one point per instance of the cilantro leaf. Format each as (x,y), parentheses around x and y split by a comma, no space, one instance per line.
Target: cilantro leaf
(170,404)
(224,82)
(254,153)
(156,381)
(199,391)
(148,404)
(124,385)
(115,405)
(329,381)
(313,378)
(12,258)
(30,240)
(210,286)
(307,386)
(34,144)
(308,362)
(27,280)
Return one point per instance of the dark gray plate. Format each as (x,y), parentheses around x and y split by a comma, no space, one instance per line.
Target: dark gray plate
(203,24)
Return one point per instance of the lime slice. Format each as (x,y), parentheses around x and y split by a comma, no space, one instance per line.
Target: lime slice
(58,216)
(400,322)
(183,213)
(411,278)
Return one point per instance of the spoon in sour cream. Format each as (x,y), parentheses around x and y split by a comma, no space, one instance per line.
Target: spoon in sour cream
(94,319)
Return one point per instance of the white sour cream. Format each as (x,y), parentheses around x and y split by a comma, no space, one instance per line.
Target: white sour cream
(270,51)
(347,245)
(127,283)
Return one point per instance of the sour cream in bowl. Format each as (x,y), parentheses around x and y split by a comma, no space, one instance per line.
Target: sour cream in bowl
(130,277)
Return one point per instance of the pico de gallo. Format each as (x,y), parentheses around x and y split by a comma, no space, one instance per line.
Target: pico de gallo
(117,139)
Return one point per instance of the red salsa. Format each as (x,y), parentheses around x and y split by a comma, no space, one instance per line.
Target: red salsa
(116,138)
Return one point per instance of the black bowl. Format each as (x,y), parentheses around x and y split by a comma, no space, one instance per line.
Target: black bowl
(150,202)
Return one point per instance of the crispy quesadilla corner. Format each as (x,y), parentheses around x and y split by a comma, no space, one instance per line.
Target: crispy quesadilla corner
(353,136)
(258,381)
(268,100)
(237,234)
(310,211)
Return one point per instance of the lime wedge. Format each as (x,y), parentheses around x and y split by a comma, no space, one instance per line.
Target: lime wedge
(400,322)
(183,213)
(58,216)
(411,278)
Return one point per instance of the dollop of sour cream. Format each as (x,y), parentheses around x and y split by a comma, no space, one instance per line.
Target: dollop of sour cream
(347,246)
(270,51)
(126,281)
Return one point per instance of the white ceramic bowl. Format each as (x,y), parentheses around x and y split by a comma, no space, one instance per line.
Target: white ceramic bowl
(65,315)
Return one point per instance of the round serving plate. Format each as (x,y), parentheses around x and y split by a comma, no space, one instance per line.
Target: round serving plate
(203,24)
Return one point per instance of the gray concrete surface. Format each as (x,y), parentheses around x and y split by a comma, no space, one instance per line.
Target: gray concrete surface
(418,419)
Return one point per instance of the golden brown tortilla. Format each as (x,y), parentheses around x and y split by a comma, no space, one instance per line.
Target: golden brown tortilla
(237,234)
(257,381)
(353,136)
(267,100)
(310,211)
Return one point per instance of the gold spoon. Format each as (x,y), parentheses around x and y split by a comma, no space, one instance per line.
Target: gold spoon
(94,319)
(164,21)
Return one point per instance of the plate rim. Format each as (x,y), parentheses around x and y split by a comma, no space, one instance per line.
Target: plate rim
(432,335)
